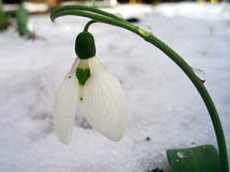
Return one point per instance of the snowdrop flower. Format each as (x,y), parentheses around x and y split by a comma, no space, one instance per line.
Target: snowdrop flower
(94,92)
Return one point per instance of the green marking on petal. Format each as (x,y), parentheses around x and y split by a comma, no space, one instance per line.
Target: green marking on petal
(82,75)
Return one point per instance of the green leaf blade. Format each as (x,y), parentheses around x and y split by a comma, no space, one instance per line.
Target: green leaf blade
(203,158)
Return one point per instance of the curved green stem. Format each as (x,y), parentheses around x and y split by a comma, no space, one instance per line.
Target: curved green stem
(198,83)
(85,8)
(101,16)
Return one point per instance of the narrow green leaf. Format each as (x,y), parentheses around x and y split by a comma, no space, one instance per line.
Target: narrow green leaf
(4,19)
(22,20)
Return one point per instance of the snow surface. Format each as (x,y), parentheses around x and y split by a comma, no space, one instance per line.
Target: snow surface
(163,104)
(202,11)
(128,11)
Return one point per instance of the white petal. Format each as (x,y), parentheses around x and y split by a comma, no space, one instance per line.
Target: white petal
(74,66)
(65,108)
(103,103)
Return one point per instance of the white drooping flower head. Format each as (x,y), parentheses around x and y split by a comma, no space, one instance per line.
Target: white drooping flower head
(97,95)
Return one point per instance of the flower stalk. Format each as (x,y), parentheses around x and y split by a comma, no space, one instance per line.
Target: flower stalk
(101,16)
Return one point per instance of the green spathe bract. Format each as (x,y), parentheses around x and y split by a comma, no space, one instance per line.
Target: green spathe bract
(85,45)
(102,16)
(82,75)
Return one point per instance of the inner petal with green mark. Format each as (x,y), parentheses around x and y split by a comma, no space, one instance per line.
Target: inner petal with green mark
(82,75)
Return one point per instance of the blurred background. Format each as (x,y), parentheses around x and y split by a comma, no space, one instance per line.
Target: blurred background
(165,110)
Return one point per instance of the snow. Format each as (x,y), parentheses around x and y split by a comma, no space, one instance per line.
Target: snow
(130,11)
(202,11)
(163,104)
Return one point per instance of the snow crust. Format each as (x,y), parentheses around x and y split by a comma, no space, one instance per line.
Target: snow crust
(163,104)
